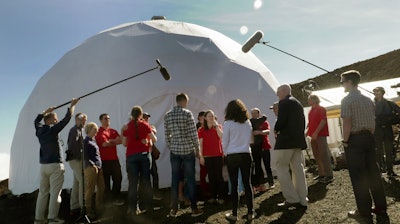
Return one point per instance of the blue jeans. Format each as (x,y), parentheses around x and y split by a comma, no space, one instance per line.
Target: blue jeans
(187,162)
(138,166)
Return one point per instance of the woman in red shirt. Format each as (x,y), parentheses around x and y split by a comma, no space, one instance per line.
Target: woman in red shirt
(137,137)
(211,155)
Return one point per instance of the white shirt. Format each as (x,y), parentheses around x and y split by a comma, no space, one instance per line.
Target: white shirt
(236,137)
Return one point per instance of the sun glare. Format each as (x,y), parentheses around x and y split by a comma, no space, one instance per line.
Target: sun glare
(243,30)
(257,4)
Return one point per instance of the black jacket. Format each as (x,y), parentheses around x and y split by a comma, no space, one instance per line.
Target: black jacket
(50,149)
(290,125)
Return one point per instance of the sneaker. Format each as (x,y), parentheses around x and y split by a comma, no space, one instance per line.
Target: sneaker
(262,188)
(118,202)
(326,179)
(92,215)
(220,201)
(255,190)
(172,213)
(231,217)
(318,177)
(251,216)
(241,194)
(355,214)
(140,211)
(271,185)
(157,198)
(197,212)
(287,205)
(56,220)
(212,201)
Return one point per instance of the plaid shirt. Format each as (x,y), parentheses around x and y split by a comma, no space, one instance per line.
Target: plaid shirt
(361,109)
(180,131)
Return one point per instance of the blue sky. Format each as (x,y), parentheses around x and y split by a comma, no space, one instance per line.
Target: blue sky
(330,34)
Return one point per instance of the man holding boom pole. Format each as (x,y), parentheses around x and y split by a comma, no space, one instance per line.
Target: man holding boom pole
(51,166)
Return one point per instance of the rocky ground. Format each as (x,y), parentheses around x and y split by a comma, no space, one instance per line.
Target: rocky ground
(328,203)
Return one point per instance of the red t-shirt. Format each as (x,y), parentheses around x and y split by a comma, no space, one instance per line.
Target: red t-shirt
(134,137)
(103,135)
(315,116)
(266,143)
(212,145)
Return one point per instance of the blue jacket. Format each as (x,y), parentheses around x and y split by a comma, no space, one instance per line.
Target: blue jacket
(50,149)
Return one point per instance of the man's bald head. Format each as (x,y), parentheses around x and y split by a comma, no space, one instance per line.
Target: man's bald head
(283,91)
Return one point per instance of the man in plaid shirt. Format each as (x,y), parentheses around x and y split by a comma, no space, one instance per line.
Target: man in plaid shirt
(183,143)
(358,114)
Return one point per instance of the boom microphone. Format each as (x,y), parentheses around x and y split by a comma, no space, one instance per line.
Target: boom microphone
(252,41)
(163,71)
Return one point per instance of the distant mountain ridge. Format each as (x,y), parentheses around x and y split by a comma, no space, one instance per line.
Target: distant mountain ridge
(382,67)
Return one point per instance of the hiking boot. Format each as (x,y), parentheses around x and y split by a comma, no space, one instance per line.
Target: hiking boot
(197,212)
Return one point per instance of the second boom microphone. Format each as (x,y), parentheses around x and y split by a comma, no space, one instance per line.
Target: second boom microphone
(252,41)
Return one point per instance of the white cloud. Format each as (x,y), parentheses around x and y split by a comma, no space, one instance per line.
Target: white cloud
(4,165)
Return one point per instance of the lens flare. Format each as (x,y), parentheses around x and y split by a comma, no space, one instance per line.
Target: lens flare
(244,30)
(257,4)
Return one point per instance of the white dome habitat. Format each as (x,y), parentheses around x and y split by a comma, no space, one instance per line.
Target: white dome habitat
(205,64)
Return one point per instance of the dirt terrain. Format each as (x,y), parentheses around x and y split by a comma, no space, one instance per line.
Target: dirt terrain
(328,203)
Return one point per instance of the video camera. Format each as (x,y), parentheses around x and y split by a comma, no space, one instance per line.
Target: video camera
(396,86)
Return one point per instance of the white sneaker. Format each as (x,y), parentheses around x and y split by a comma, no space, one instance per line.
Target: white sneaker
(231,217)
(251,216)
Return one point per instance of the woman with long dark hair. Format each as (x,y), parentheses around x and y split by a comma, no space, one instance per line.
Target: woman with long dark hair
(137,137)
(236,140)
(211,155)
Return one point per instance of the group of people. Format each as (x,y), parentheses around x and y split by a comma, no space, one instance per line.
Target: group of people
(94,162)
(241,141)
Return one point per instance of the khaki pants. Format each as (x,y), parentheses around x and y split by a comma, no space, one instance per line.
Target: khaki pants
(51,181)
(94,178)
(294,187)
(76,200)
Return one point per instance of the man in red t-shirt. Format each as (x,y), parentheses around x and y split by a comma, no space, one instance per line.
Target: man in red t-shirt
(318,130)
(107,139)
